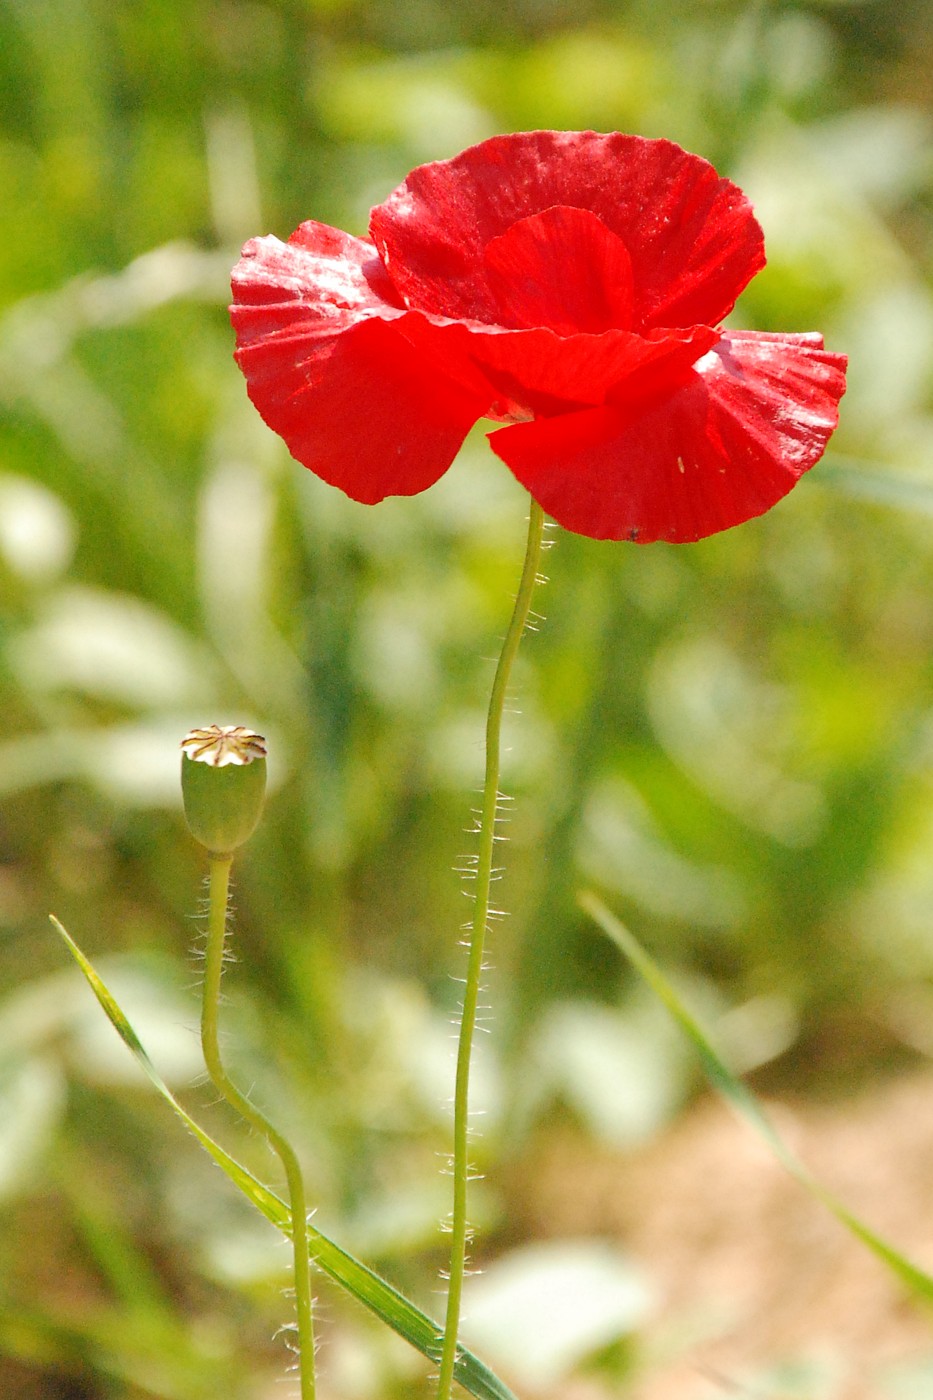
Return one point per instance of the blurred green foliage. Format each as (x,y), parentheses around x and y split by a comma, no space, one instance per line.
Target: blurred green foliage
(733,741)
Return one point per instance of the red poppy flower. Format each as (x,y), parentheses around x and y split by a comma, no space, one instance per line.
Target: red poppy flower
(569,285)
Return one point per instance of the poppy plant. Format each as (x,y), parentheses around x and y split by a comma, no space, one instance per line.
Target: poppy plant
(568,285)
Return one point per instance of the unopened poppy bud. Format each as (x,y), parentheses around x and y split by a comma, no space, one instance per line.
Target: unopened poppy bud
(223,782)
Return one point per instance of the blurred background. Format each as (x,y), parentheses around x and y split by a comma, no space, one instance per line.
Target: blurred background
(731,741)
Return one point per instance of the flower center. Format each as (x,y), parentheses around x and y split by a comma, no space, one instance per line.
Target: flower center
(564,269)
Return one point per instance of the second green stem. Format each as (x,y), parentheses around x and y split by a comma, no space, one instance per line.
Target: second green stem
(491,797)
(213,971)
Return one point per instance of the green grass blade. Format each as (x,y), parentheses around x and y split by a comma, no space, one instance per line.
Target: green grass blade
(878,484)
(742,1100)
(373,1292)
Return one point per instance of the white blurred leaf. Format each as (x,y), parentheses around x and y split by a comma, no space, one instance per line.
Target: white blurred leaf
(885,153)
(621,846)
(57,1009)
(541,1310)
(115,647)
(37,531)
(730,729)
(407,1050)
(31,1101)
(889,337)
(166,1020)
(621,1071)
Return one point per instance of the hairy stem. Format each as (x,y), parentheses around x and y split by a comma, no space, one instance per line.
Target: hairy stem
(216,937)
(459,1228)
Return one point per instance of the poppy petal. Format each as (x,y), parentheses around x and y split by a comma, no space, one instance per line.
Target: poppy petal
(322,277)
(562,269)
(753,416)
(691,236)
(540,372)
(326,365)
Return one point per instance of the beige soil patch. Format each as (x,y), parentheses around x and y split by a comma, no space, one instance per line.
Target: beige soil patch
(761,1293)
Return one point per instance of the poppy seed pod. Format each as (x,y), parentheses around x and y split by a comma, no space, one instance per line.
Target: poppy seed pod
(223,782)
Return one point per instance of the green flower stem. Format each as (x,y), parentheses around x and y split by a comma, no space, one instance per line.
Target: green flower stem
(459,1228)
(213,969)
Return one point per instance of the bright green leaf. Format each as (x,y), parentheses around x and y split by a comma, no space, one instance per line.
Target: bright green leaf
(372,1291)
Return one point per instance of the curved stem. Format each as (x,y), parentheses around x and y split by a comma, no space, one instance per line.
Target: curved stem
(459,1229)
(213,969)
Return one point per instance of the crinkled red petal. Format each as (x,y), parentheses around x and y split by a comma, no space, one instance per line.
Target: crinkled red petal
(691,236)
(562,269)
(319,341)
(322,275)
(754,415)
(541,372)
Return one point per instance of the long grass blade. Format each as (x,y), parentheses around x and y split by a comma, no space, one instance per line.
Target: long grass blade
(877,484)
(743,1101)
(373,1292)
